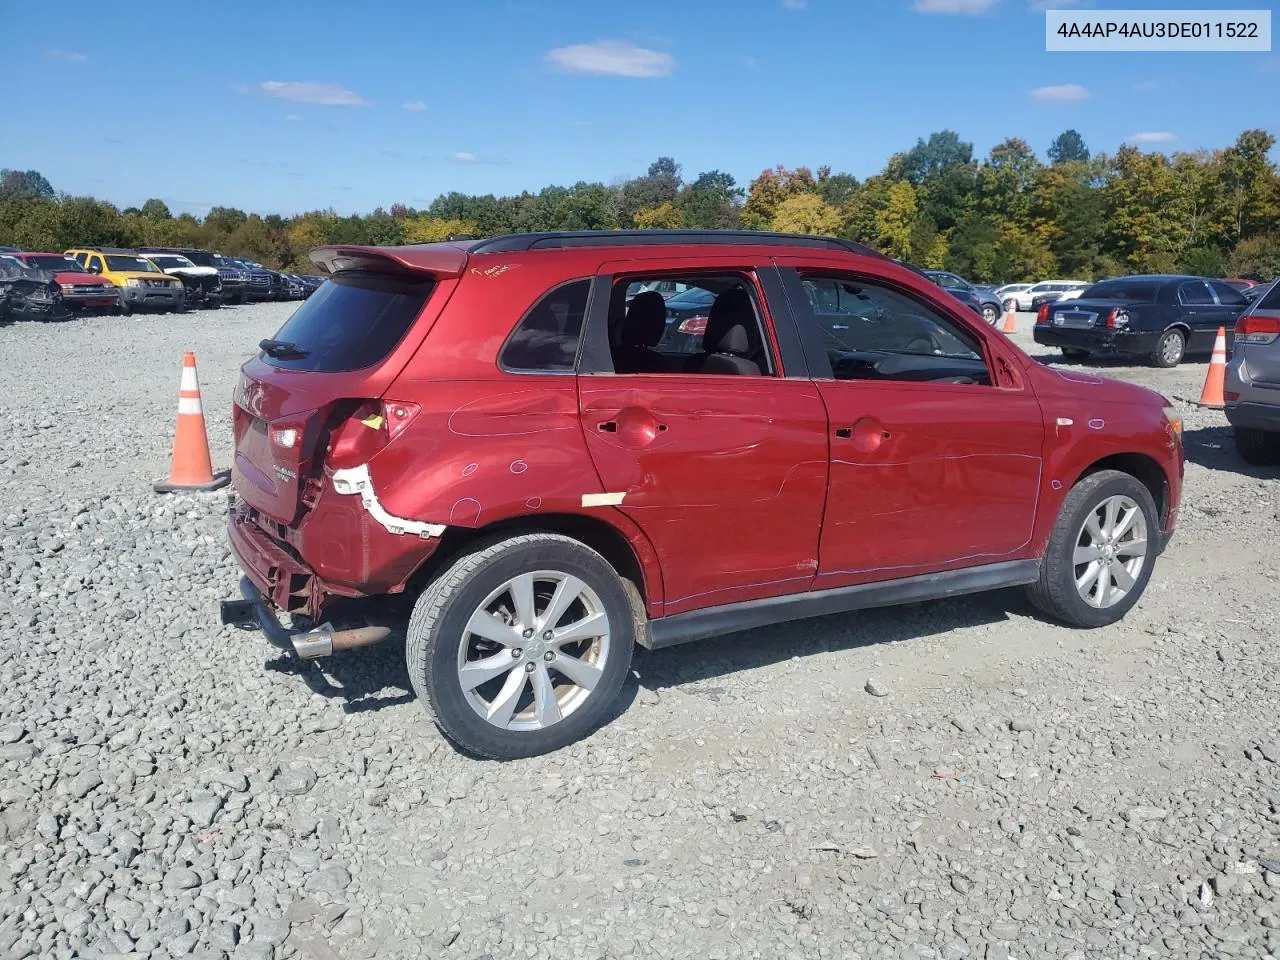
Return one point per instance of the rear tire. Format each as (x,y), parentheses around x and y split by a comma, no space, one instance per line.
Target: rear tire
(990,314)
(535,705)
(1169,349)
(1074,353)
(1059,591)
(1259,447)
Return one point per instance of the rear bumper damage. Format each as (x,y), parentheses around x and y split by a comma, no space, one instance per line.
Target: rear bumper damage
(254,613)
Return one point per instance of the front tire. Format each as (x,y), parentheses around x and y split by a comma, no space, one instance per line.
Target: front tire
(1100,553)
(1169,349)
(522,646)
(990,314)
(1258,447)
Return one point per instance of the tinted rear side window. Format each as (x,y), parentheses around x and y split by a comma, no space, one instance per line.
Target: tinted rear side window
(352,322)
(1271,299)
(1136,291)
(547,337)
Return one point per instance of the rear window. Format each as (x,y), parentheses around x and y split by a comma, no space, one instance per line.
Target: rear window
(351,322)
(1271,299)
(1133,291)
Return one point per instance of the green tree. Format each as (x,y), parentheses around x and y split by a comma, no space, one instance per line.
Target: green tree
(712,202)
(768,190)
(894,223)
(1257,257)
(156,209)
(1068,147)
(664,216)
(15,184)
(806,213)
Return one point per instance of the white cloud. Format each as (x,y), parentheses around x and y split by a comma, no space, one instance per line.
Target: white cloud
(795,4)
(954,6)
(612,58)
(1057,4)
(310,91)
(70,56)
(414,106)
(1061,93)
(1152,136)
(1146,86)
(292,117)
(471,159)
(749,63)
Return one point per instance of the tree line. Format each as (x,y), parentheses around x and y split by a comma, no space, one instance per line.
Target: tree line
(1007,216)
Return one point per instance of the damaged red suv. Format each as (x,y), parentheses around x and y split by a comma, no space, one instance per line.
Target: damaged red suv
(516,437)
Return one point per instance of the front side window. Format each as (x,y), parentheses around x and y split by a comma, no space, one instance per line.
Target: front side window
(546,339)
(872,332)
(1195,293)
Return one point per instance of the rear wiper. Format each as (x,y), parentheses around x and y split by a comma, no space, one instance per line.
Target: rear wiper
(283,350)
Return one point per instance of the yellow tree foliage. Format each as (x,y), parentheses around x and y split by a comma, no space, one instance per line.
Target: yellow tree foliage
(432,230)
(770,189)
(662,217)
(894,222)
(806,213)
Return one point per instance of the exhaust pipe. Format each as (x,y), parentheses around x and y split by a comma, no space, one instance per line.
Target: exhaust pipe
(324,641)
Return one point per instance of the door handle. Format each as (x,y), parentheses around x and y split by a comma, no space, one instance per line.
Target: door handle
(609,426)
(867,434)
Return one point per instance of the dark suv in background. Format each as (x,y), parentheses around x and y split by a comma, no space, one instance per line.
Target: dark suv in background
(984,302)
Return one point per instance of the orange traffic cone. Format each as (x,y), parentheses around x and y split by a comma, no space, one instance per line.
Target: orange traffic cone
(1010,318)
(191,468)
(1211,395)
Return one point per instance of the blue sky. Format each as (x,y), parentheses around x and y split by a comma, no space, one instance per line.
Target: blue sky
(281,108)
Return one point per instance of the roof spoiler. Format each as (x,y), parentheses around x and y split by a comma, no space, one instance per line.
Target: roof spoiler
(439,260)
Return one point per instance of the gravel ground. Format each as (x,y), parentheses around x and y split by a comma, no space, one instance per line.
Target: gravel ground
(169,787)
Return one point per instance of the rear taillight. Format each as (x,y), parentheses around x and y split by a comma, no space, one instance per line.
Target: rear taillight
(694,326)
(1117,319)
(1253,328)
(1042,315)
(368,428)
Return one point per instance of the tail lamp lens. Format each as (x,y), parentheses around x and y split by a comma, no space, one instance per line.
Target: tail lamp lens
(1252,328)
(1042,315)
(370,427)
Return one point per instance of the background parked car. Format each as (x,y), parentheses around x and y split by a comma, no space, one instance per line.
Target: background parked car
(984,301)
(141,284)
(1023,298)
(29,293)
(1252,382)
(1005,291)
(202,285)
(80,290)
(1072,292)
(234,278)
(262,284)
(1160,317)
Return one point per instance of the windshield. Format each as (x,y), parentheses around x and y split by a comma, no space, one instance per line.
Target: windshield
(170,262)
(1132,291)
(202,259)
(136,264)
(352,322)
(53,262)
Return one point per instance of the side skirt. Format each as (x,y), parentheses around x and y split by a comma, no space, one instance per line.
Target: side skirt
(732,617)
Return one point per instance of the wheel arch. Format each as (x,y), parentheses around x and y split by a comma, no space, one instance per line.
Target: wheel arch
(628,552)
(1145,469)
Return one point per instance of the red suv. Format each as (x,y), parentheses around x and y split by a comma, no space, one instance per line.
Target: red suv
(496,431)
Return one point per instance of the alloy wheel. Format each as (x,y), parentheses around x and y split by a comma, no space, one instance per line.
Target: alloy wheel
(533,651)
(1111,549)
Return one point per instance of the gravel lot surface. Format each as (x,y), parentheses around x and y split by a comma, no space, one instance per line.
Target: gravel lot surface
(1013,789)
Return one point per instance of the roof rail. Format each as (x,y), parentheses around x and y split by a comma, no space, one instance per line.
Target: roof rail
(123,250)
(519,242)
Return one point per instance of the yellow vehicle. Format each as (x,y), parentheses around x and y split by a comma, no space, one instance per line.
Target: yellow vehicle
(141,283)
